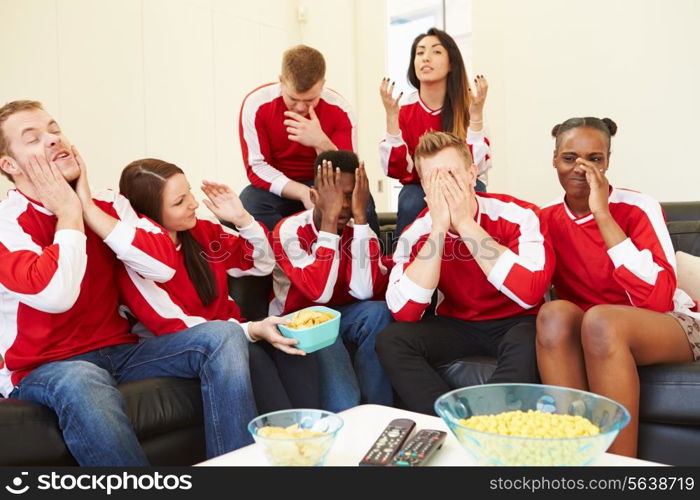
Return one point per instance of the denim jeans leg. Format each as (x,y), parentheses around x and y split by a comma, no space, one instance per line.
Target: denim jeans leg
(411,203)
(339,387)
(360,324)
(90,411)
(216,352)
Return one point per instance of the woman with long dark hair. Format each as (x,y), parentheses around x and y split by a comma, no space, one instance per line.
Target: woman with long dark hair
(443,102)
(209,253)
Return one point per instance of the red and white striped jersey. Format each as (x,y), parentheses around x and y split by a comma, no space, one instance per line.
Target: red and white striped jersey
(515,286)
(415,119)
(640,271)
(174,305)
(57,293)
(270,158)
(322,268)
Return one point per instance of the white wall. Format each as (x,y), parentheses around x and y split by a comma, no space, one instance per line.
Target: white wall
(635,61)
(351,34)
(165,78)
(133,78)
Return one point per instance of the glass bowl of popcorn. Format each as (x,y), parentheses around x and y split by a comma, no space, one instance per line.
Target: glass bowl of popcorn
(314,327)
(299,437)
(530,424)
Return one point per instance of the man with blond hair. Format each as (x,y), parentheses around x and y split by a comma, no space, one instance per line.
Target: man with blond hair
(489,259)
(283,127)
(63,343)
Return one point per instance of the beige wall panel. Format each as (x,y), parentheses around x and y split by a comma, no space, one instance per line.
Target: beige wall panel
(278,13)
(179,86)
(28,39)
(30,57)
(633,61)
(244,9)
(236,62)
(370,61)
(101,83)
(330,28)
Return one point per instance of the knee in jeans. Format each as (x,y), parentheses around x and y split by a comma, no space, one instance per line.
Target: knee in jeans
(78,382)
(218,337)
(377,316)
(79,373)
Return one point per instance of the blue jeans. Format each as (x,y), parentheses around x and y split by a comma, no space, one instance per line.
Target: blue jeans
(82,391)
(269,209)
(341,386)
(411,203)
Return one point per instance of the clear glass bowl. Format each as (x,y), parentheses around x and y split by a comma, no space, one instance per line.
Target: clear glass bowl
(297,451)
(497,449)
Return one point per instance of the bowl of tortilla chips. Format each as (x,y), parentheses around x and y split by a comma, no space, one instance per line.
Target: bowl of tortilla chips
(314,327)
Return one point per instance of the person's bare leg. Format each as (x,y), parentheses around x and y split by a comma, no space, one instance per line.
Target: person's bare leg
(559,352)
(616,339)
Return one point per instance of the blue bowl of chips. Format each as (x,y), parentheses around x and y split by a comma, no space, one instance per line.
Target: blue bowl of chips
(314,327)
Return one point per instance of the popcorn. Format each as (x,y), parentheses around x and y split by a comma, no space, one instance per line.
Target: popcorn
(532,424)
(531,438)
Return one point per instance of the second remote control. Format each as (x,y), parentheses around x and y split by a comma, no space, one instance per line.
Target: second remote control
(419,449)
(388,442)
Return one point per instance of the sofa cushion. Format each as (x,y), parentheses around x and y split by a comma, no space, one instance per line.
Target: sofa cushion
(29,435)
(685,236)
(160,405)
(688,268)
(670,393)
(159,408)
(681,210)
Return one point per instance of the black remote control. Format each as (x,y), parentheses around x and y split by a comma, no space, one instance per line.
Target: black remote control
(389,441)
(419,449)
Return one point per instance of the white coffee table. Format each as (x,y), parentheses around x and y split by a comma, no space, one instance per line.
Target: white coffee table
(362,426)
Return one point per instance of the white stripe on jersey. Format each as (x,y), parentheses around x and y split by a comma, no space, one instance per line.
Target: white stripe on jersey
(159,300)
(121,239)
(256,160)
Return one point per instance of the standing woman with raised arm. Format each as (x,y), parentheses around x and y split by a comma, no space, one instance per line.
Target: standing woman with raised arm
(443,102)
(619,306)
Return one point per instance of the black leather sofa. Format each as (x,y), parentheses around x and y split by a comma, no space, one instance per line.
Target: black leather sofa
(167,412)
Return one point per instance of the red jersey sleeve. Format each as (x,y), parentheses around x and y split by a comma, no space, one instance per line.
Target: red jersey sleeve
(367,274)
(245,252)
(47,279)
(645,261)
(524,270)
(407,300)
(255,141)
(311,266)
(140,243)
